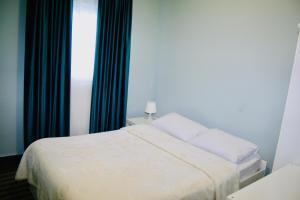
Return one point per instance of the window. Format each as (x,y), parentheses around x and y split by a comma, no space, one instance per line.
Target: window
(82,65)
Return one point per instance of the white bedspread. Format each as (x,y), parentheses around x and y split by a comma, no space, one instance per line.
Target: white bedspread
(134,163)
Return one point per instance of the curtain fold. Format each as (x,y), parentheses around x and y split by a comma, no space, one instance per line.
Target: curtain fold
(110,80)
(47,69)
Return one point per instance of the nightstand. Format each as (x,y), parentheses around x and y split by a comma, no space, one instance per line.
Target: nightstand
(282,184)
(138,120)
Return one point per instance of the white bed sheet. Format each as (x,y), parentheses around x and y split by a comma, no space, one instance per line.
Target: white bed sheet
(137,162)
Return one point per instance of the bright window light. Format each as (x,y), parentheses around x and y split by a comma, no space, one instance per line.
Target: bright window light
(82,68)
(83,39)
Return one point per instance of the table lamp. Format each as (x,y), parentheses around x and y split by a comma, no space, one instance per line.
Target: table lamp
(150,109)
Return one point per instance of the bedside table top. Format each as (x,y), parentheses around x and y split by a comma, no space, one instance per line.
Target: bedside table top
(138,120)
(282,184)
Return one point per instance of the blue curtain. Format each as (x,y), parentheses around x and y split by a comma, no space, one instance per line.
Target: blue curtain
(47,69)
(110,81)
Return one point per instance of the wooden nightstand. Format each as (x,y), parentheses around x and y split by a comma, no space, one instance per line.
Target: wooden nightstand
(138,120)
(282,184)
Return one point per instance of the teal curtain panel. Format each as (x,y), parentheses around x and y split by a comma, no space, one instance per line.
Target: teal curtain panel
(110,80)
(47,69)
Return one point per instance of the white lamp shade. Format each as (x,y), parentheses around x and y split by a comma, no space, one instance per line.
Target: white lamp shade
(150,107)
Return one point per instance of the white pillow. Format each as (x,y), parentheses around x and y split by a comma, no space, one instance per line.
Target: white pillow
(225,145)
(179,126)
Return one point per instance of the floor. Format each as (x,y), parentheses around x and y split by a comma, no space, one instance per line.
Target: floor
(9,188)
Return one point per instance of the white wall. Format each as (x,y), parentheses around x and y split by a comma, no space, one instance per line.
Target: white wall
(144,52)
(227,64)
(288,149)
(12,26)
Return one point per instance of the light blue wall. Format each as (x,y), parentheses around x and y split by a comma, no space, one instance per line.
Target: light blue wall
(12,28)
(144,52)
(227,64)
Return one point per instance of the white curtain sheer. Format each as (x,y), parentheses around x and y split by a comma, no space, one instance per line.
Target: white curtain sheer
(83,54)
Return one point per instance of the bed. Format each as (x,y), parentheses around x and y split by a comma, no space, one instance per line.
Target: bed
(135,162)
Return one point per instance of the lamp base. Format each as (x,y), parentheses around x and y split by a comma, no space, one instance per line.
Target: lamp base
(149,116)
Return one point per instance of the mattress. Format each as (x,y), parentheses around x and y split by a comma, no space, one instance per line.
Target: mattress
(137,162)
(249,167)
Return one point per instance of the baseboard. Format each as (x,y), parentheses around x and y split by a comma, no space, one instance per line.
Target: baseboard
(8,154)
(9,157)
